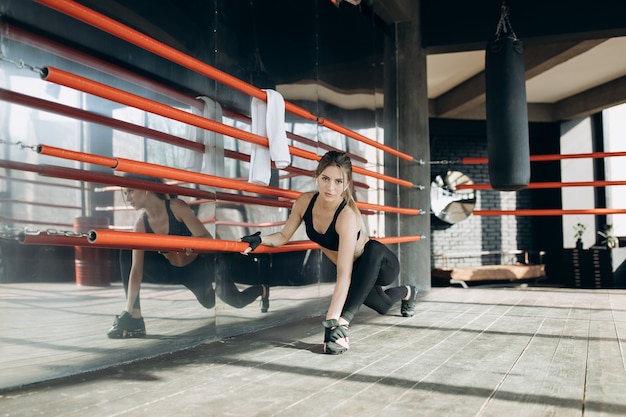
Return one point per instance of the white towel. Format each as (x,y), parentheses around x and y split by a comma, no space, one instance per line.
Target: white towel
(213,160)
(268,119)
(193,159)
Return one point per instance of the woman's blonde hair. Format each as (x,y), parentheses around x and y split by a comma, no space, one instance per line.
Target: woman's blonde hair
(341,160)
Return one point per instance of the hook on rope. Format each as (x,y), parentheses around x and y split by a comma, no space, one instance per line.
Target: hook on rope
(446,162)
(504,23)
(21,64)
(20,144)
(68,233)
(32,232)
(12,232)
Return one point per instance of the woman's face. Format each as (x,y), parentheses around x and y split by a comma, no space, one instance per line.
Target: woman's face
(133,197)
(331,183)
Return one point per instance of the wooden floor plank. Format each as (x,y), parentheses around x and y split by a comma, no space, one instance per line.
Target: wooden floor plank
(606,377)
(502,352)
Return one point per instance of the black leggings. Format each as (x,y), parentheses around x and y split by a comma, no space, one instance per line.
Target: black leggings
(375,268)
(197,276)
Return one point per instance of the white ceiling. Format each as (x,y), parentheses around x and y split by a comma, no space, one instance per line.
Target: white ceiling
(577,80)
(601,64)
(446,71)
(596,75)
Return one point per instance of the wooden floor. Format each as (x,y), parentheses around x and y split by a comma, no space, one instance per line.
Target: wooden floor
(467,352)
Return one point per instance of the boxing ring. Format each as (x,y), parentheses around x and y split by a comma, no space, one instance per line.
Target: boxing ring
(267,196)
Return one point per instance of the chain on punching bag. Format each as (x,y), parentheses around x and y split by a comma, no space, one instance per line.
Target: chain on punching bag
(507,113)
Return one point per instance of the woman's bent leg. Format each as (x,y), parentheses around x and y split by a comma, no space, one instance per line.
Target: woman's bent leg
(228,292)
(381,301)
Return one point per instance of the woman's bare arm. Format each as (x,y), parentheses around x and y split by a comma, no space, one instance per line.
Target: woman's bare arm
(347,228)
(136,270)
(292,224)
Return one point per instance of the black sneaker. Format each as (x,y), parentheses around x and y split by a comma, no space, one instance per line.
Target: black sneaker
(336,339)
(125,326)
(408,306)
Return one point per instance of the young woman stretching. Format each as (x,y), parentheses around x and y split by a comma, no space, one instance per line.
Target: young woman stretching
(168,215)
(364,266)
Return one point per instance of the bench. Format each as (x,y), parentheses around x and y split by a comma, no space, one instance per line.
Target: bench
(463,274)
(511,265)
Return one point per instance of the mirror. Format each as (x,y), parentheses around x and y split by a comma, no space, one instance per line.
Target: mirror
(56,197)
(448,203)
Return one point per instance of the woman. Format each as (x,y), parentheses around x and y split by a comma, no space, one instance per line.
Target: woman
(168,215)
(364,266)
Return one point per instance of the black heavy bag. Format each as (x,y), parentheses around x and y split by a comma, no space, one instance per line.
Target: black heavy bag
(507,113)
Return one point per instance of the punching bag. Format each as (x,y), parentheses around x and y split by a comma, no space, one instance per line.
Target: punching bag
(507,114)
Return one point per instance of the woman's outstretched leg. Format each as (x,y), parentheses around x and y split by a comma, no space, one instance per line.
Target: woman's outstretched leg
(382,300)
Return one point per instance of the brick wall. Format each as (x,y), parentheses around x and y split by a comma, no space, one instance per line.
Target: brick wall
(454,140)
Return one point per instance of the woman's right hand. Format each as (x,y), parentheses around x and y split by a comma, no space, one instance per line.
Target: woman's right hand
(254,240)
(336,339)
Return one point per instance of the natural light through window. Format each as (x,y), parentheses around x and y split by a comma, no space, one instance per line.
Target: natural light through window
(615,141)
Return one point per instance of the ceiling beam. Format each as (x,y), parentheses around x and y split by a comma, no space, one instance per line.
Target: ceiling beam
(537,59)
(462,97)
(592,101)
(537,112)
(580,105)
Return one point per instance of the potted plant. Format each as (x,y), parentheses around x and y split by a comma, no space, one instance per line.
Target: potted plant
(579,231)
(609,240)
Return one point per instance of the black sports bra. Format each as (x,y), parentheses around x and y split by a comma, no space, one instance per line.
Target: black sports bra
(329,239)
(176,227)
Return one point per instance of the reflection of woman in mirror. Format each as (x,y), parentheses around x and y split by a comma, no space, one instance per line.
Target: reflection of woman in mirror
(168,215)
(364,266)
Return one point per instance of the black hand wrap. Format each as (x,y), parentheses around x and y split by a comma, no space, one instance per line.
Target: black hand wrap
(333,331)
(254,240)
